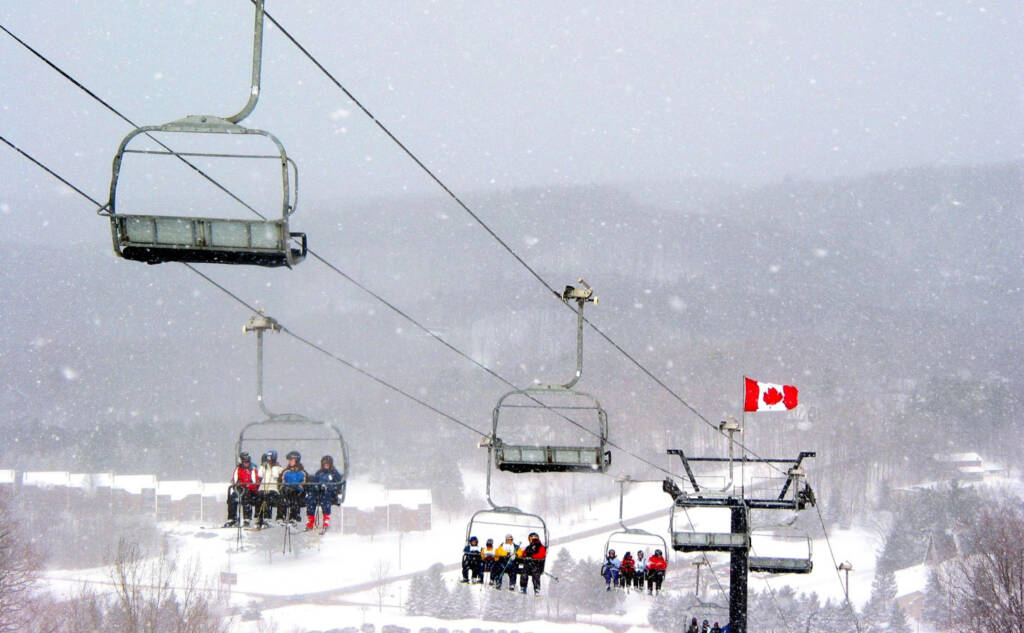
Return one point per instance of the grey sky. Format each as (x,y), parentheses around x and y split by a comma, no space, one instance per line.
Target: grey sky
(501,94)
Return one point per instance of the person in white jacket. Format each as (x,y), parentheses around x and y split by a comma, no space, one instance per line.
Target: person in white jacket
(641,569)
(270,486)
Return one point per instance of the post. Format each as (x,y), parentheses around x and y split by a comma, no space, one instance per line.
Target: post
(696,589)
(847,567)
(738,560)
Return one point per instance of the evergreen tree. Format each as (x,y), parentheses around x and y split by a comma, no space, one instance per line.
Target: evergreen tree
(883,597)
(935,610)
(459,603)
(560,593)
(898,620)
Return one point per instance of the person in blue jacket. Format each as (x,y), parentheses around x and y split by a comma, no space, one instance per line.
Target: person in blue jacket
(293,484)
(323,491)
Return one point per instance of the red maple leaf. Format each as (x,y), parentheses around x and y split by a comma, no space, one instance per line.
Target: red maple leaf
(772,396)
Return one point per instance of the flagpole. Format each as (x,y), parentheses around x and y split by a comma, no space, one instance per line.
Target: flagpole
(743,442)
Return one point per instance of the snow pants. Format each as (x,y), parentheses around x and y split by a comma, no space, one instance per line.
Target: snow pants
(654,579)
(611,576)
(627,579)
(471,565)
(512,571)
(323,497)
(531,569)
(638,580)
(292,500)
(248,498)
(268,500)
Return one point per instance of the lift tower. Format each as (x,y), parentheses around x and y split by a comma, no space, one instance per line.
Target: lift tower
(795,494)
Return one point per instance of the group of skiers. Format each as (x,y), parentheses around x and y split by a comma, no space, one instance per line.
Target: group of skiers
(631,573)
(706,628)
(287,488)
(509,559)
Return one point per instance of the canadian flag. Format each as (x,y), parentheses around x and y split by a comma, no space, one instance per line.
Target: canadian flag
(766,396)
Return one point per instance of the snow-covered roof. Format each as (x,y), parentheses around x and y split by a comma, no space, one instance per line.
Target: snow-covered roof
(218,490)
(365,495)
(46,478)
(179,489)
(957,457)
(101,480)
(134,484)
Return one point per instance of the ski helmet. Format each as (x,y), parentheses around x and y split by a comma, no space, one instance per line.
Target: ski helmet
(490,541)
(508,536)
(533,535)
(611,553)
(473,539)
(270,456)
(296,455)
(243,457)
(657,552)
(328,459)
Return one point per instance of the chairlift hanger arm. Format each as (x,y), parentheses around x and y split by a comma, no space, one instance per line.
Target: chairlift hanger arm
(581,296)
(257,63)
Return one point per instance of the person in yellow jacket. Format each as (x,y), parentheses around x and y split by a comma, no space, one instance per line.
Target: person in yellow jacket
(506,563)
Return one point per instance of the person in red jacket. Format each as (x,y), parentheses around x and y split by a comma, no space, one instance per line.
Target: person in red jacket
(533,563)
(244,482)
(627,570)
(656,566)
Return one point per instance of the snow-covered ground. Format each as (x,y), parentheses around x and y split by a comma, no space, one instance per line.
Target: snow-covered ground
(330,581)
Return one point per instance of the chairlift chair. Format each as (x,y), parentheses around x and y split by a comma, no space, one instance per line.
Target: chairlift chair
(563,400)
(631,539)
(497,521)
(289,431)
(791,558)
(696,541)
(154,239)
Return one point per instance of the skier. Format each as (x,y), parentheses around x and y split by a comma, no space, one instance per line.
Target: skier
(705,627)
(270,483)
(716,628)
(471,562)
(693,628)
(505,563)
(627,571)
(641,570)
(533,558)
(293,484)
(610,570)
(326,483)
(488,554)
(244,484)
(656,566)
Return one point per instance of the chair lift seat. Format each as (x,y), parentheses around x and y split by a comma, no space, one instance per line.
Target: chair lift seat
(157,239)
(708,541)
(774,565)
(518,458)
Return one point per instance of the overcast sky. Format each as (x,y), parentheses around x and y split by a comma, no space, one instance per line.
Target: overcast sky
(500,94)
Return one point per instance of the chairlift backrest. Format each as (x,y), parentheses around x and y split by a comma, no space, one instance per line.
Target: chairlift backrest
(495,523)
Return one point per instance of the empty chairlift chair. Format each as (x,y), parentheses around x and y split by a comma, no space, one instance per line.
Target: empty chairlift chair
(781,553)
(564,402)
(262,241)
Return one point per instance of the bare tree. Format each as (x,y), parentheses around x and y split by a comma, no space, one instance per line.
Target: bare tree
(18,566)
(380,575)
(986,586)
